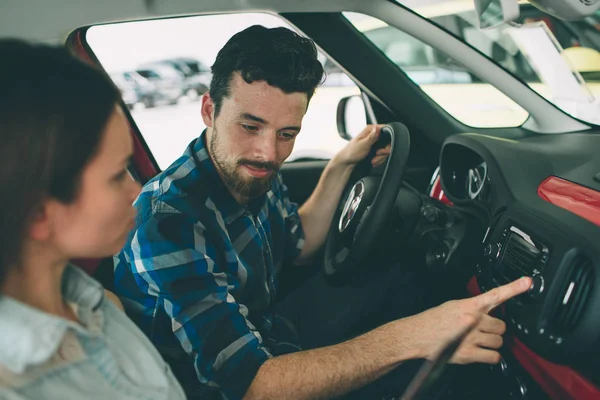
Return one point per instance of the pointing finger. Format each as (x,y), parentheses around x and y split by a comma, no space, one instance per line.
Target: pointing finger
(495,297)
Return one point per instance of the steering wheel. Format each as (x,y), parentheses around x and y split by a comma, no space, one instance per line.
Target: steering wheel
(363,214)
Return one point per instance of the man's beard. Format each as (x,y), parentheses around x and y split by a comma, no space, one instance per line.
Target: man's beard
(248,188)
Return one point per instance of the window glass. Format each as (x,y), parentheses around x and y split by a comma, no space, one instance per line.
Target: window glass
(558,59)
(167,64)
(448,83)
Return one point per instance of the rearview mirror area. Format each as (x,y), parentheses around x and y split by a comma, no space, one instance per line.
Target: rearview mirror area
(493,13)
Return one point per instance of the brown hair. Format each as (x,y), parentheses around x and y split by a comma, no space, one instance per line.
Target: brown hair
(53,110)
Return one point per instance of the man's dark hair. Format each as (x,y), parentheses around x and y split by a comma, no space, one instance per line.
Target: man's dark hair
(53,111)
(278,56)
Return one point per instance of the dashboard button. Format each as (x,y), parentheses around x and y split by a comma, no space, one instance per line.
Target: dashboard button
(503,367)
(487,250)
(522,388)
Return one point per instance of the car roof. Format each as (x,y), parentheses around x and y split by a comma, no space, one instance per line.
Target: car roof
(52,21)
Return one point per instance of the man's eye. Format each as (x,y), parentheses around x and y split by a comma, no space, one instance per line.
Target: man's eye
(287,136)
(250,128)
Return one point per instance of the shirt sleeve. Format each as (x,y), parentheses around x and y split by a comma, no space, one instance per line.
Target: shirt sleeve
(175,259)
(294,238)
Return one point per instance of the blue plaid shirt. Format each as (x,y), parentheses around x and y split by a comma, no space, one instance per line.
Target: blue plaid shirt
(199,274)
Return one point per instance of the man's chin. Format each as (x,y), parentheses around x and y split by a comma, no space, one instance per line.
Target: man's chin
(255,187)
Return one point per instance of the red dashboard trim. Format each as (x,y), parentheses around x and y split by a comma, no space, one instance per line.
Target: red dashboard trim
(437,192)
(573,197)
(560,382)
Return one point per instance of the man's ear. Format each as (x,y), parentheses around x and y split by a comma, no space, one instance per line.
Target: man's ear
(208,110)
(40,226)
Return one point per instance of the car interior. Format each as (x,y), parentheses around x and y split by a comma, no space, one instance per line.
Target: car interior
(471,203)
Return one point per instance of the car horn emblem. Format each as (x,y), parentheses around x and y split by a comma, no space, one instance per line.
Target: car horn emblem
(351,206)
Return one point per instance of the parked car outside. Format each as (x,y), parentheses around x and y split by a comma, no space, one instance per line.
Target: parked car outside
(196,74)
(169,83)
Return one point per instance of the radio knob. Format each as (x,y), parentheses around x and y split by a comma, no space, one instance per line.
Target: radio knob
(491,251)
(537,286)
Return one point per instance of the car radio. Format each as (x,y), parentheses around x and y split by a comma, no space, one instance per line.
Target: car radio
(552,318)
(517,254)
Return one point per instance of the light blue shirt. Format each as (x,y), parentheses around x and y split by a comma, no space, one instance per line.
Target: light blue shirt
(43,356)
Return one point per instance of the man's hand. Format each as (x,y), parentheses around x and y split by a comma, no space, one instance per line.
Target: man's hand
(336,370)
(437,326)
(358,148)
(317,212)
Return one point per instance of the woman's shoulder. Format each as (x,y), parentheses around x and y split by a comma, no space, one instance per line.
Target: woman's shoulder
(113,298)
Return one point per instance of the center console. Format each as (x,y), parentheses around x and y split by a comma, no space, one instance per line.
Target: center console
(558,316)
(518,254)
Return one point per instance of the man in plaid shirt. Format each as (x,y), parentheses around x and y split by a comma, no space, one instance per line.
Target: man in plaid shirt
(199,271)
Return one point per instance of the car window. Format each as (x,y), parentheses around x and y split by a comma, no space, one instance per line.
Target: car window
(448,83)
(167,110)
(558,59)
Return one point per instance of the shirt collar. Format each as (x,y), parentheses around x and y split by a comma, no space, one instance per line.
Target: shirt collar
(229,208)
(29,336)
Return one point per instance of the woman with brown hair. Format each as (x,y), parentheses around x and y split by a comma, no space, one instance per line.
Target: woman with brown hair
(66,193)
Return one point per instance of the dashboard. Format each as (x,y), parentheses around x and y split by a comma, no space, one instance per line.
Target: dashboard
(535,229)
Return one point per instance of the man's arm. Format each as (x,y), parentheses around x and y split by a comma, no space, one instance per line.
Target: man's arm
(316,214)
(336,370)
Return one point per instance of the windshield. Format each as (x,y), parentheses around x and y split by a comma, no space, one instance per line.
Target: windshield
(557,59)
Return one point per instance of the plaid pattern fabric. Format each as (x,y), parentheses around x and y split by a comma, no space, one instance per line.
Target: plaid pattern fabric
(199,273)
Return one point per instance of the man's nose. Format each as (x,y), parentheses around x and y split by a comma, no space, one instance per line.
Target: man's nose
(266,149)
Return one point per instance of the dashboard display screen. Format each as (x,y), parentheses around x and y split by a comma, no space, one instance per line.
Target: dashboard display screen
(520,258)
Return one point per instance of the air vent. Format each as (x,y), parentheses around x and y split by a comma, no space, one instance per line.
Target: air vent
(573,296)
